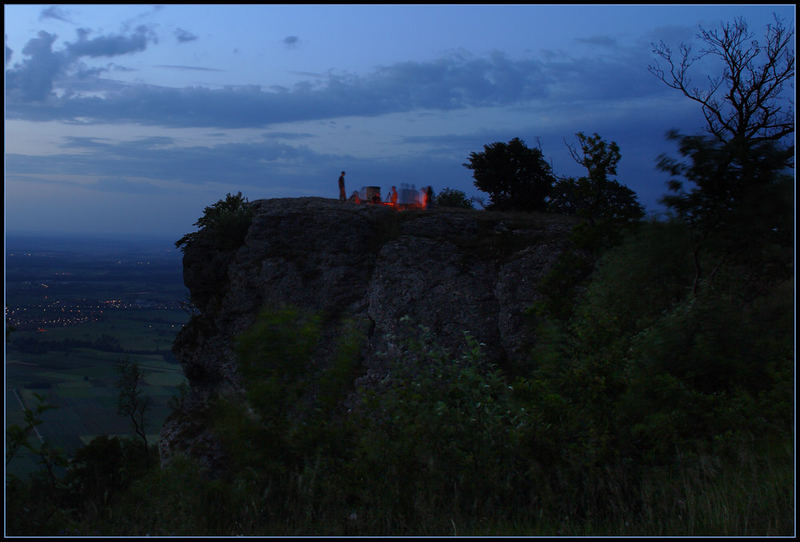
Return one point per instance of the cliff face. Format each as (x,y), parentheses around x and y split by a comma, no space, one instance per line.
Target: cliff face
(451,270)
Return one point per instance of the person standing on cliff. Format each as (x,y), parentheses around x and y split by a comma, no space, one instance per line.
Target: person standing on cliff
(342,196)
(427,197)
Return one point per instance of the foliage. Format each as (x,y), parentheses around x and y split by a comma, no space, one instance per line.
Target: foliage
(679,371)
(292,396)
(604,200)
(608,208)
(450,197)
(515,177)
(741,189)
(51,458)
(225,223)
(102,470)
(437,435)
(596,197)
(131,401)
(19,437)
(740,205)
(275,353)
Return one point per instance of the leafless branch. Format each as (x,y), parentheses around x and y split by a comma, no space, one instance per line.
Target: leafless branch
(746,100)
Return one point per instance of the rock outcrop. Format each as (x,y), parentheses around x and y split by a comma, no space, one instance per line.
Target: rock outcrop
(452,270)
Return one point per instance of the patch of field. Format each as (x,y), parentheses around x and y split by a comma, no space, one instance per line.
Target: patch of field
(138,330)
(165,380)
(82,387)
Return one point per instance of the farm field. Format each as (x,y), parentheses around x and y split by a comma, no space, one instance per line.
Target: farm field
(81,384)
(72,363)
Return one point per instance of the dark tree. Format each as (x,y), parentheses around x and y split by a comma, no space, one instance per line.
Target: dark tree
(132,402)
(738,202)
(746,101)
(740,206)
(515,177)
(97,471)
(595,197)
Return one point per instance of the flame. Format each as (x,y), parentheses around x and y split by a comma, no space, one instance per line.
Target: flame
(408,197)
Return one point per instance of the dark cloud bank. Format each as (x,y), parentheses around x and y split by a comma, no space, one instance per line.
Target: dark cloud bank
(454,82)
(555,83)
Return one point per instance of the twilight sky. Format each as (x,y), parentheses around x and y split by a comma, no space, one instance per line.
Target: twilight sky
(130,119)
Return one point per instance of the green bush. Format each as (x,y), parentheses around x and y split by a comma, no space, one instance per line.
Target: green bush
(225,223)
(435,441)
(642,374)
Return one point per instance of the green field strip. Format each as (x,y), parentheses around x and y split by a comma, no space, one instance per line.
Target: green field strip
(166,392)
(170,380)
(58,377)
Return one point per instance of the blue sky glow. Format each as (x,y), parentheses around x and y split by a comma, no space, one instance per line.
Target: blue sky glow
(130,119)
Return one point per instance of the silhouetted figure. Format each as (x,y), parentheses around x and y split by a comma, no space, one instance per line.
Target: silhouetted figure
(391,197)
(427,197)
(342,196)
(355,197)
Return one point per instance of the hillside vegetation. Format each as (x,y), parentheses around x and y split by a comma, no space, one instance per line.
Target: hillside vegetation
(648,407)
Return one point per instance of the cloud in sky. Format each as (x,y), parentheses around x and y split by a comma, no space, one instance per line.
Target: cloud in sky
(55,12)
(599,41)
(122,186)
(188,68)
(157,158)
(184,36)
(291,41)
(33,80)
(452,82)
(109,45)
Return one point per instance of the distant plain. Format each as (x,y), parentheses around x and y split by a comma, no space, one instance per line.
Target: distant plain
(74,308)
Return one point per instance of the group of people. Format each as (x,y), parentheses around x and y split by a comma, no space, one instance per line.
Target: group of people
(425,199)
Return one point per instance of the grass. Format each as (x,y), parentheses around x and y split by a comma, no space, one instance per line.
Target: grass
(81,381)
(754,500)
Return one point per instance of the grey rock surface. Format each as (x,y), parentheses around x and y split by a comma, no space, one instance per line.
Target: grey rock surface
(451,270)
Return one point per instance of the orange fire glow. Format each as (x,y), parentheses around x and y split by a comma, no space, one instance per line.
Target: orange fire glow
(409,197)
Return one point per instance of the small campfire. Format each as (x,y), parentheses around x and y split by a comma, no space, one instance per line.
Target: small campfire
(408,197)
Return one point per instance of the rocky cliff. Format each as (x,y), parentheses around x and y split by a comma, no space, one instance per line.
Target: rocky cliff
(452,270)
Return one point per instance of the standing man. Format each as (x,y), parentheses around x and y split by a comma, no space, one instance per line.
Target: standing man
(342,197)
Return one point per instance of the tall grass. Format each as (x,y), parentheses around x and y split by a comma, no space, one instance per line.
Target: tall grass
(753,500)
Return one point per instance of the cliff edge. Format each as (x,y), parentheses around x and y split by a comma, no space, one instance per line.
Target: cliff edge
(451,270)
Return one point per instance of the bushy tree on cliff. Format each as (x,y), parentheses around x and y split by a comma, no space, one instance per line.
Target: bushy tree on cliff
(740,196)
(226,222)
(515,176)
